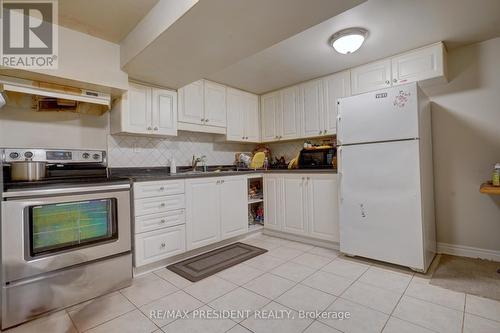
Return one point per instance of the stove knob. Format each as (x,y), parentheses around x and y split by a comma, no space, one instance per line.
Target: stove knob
(96,156)
(86,155)
(28,154)
(14,155)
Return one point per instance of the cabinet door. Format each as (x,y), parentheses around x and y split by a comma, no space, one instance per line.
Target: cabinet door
(312,104)
(215,104)
(291,113)
(270,113)
(164,112)
(293,204)
(191,103)
(234,206)
(202,212)
(376,75)
(252,123)
(335,86)
(139,109)
(159,244)
(272,201)
(322,207)
(418,65)
(235,115)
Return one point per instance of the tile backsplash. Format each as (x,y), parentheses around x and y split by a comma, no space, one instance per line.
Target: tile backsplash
(138,151)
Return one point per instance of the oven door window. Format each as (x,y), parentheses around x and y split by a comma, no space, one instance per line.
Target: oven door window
(63,226)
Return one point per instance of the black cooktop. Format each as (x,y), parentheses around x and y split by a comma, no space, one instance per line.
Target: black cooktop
(61,183)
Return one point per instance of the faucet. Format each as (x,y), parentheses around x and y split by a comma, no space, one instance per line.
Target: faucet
(196,160)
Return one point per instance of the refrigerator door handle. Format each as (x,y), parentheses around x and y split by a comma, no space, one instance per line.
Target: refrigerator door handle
(339,172)
(339,118)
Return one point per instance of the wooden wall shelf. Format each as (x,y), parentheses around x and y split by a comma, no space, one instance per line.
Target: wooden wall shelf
(488,188)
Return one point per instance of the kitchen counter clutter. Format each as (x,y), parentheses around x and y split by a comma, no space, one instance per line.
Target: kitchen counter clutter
(489,188)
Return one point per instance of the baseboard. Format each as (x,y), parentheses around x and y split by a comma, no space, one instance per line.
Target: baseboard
(468,251)
(302,239)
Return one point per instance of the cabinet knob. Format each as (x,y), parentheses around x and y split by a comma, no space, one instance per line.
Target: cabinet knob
(387,82)
(162,188)
(246,138)
(163,221)
(320,132)
(162,204)
(202,120)
(149,128)
(162,245)
(395,80)
(243,137)
(156,128)
(206,120)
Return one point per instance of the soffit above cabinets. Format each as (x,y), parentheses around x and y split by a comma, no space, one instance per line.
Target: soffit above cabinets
(214,34)
(110,20)
(394,27)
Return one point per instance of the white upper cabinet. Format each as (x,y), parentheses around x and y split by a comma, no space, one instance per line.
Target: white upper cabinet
(242,116)
(420,65)
(252,120)
(164,112)
(312,104)
(290,113)
(215,104)
(271,116)
(145,110)
(202,107)
(426,65)
(373,76)
(335,86)
(191,108)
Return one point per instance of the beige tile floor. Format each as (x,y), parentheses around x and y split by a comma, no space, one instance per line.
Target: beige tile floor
(293,277)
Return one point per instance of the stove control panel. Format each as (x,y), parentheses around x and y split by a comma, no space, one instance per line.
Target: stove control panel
(58,156)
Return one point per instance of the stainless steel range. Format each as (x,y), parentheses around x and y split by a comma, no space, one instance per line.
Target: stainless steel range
(65,238)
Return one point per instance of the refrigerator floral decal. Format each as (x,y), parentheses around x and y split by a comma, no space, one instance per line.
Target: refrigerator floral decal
(401,99)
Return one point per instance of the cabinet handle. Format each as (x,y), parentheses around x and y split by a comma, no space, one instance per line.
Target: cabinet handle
(202,120)
(243,137)
(247,137)
(162,204)
(162,188)
(162,245)
(149,128)
(320,132)
(395,80)
(276,137)
(163,221)
(206,120)
(156,128)
(387,82)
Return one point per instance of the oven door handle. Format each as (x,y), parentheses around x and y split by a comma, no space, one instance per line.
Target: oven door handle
(69,190)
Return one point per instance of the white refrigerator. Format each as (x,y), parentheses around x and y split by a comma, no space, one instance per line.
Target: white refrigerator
(386,189)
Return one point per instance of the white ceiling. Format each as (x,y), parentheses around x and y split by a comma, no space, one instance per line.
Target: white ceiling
(111,20)
(394,25)
(215,34)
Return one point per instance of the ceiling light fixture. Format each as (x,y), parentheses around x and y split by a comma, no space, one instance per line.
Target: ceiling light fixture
(348,40)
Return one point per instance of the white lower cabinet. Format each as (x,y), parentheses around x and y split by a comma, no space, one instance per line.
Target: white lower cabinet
(202,212)
(304,204)
(294,219)
(215,209)
(233,200)
(159,244)
(159,224)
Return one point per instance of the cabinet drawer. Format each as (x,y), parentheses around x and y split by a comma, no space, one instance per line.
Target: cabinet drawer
(159,204)
(157,221)
(155,189)
(159,244)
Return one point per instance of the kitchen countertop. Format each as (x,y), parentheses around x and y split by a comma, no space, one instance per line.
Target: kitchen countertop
(162,173)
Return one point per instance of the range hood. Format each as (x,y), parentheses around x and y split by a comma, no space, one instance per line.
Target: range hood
(54,97)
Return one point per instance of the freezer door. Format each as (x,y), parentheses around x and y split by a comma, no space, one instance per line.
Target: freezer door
(384,115)
(380,206)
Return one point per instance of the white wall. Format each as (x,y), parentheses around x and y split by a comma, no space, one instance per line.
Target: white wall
(22,127)
(466,138)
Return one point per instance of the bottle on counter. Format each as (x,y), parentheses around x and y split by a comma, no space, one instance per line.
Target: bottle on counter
(173,166)
(496,175)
